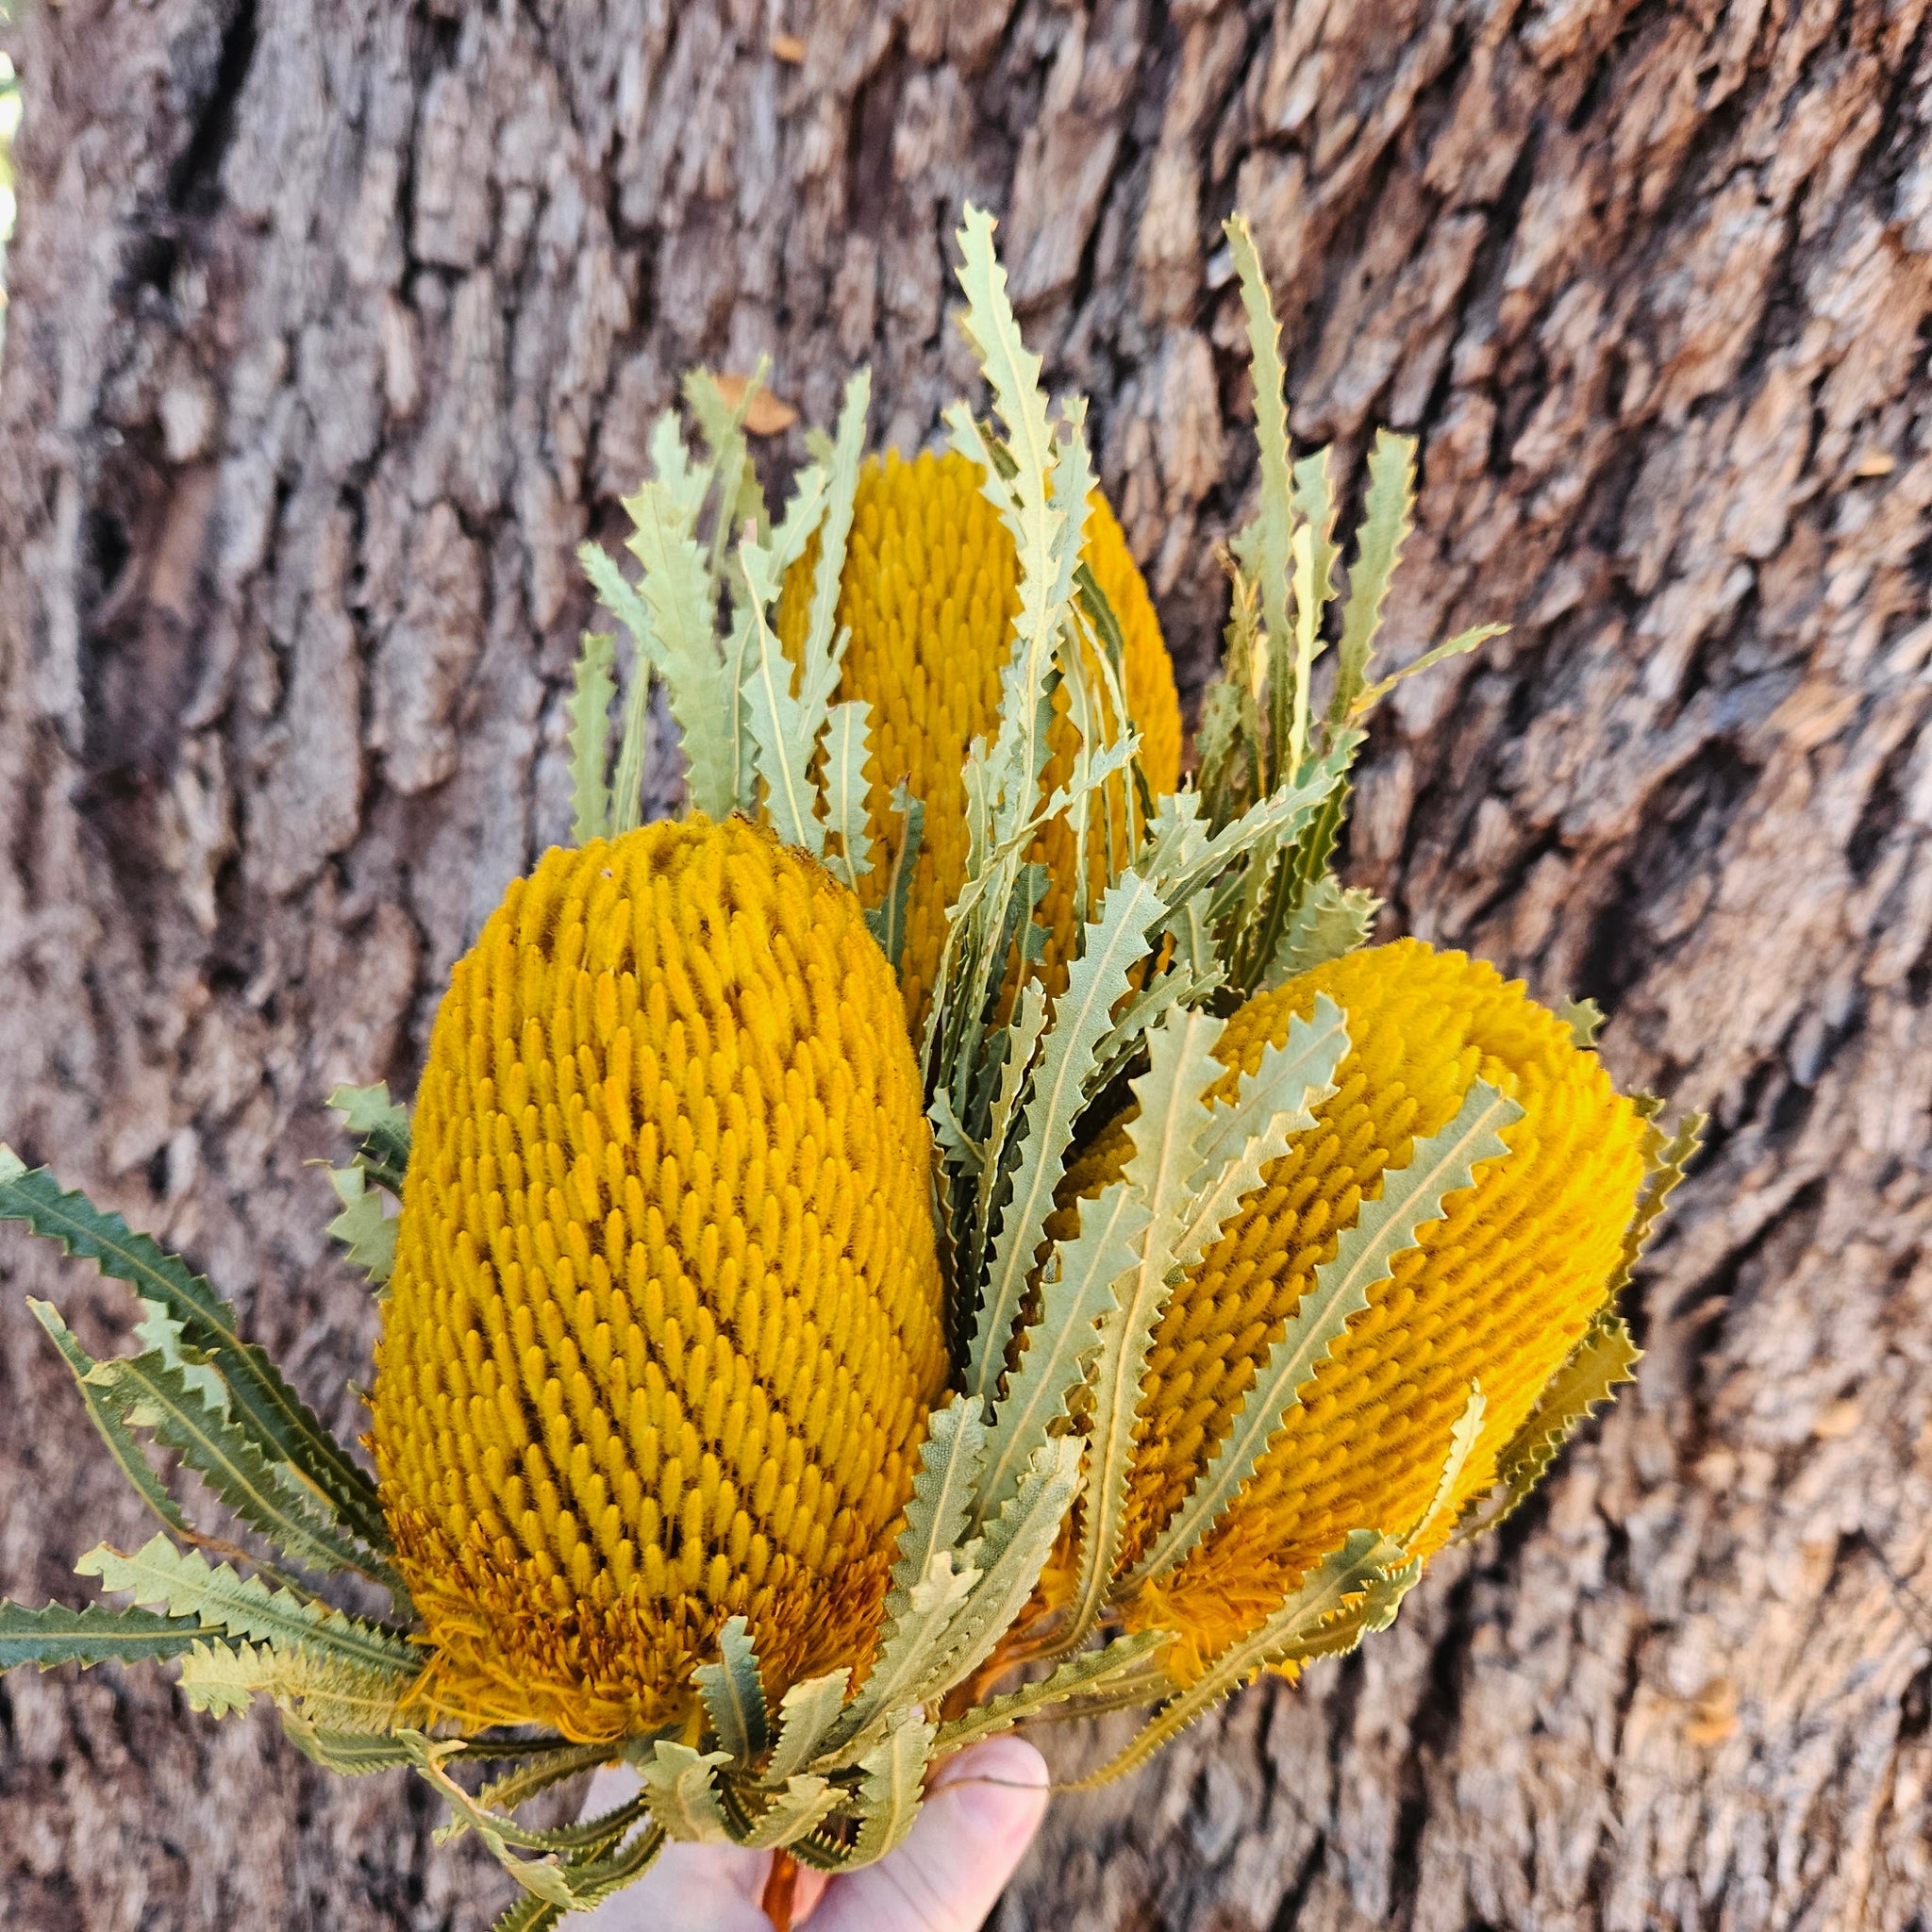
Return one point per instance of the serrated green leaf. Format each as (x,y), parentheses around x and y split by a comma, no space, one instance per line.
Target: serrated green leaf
(57,1635)
(1330,920)
(1585,1020)
(186,1584)
(844,789)
(1256,903)
(741,502)
(1181,855)
(589,709)
(1457,646)
(1075,1297)
(1114,945)
(1269,545)
(1307,605)
(542,1770)
(1218,747)
(348,1754)
(1231,744)
(784,731)
(886,920)
(147,1393)
(1270,1106)
(362,1227)
(1588,1376)
(529,1914)
(123,1446)
(576,1871)
(672,616)
(1187,982)
(223,1678)
(592,1881)
(1078,1676)
(1038,523)
(159,1331)
(733,1694)
(1463,1436)
(1366,1563)
(1314,510)
(911,1651)
(842,489)
(1010,1554)
(1385,528)
(686,483)
(683,1797)
(794,1809)
(1167,1133)
(1665,1162)
(927,1587)
(1411,1198)
(893,1786)
(1294,1077)
(271,1413)
(806,1717)
(432,1757)
(999,1153)
(381,1127)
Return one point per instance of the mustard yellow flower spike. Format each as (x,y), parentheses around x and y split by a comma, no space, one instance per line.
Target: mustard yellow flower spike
(1498,1294)
(929,592)
(664,1326)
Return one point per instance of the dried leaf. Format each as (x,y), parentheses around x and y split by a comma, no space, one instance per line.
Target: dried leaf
(765,415)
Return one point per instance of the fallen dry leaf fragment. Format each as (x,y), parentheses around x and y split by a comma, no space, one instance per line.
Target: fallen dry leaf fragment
(769,415)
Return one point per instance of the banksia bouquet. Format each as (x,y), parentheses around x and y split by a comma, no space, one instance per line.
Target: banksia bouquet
(958,1231)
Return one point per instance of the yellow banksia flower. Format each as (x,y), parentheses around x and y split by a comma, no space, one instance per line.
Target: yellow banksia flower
(1498,1292)
(665,1322)
(929,592)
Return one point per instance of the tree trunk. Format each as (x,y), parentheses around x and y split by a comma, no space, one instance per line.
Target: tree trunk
(336,326)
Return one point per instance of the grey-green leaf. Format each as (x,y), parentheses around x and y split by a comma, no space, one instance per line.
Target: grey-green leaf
(591,698)
(734,1695)
(1385,528)
(265,1408)
(57,1635)
(1115,943)
(1410,1197)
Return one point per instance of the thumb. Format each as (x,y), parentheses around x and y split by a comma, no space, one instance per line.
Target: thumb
(970,1834)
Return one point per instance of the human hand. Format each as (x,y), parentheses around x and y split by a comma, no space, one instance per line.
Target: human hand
(982,1811)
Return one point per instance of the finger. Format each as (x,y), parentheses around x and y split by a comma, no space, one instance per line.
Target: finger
(962,1848)
(694,1887)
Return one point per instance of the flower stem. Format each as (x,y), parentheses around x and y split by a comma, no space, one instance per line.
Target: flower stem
(781,1887)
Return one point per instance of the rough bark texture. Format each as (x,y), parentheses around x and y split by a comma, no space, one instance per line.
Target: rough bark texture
(337,324)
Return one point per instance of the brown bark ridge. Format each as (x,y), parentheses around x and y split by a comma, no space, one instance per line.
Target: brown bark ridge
(336,325)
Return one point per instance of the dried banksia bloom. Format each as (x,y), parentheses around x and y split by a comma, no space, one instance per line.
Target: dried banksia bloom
(665,1323)
(929,593)
(755,1391)
(1492,1297)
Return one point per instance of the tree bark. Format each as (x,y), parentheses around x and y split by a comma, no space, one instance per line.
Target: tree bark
(336,325)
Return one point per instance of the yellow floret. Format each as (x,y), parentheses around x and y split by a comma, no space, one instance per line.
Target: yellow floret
(929,593)
(1498,1292)
(665,1322)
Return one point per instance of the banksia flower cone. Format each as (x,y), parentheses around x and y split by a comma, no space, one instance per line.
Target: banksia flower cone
(665,1322)
(929,592)
(1497,1293)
